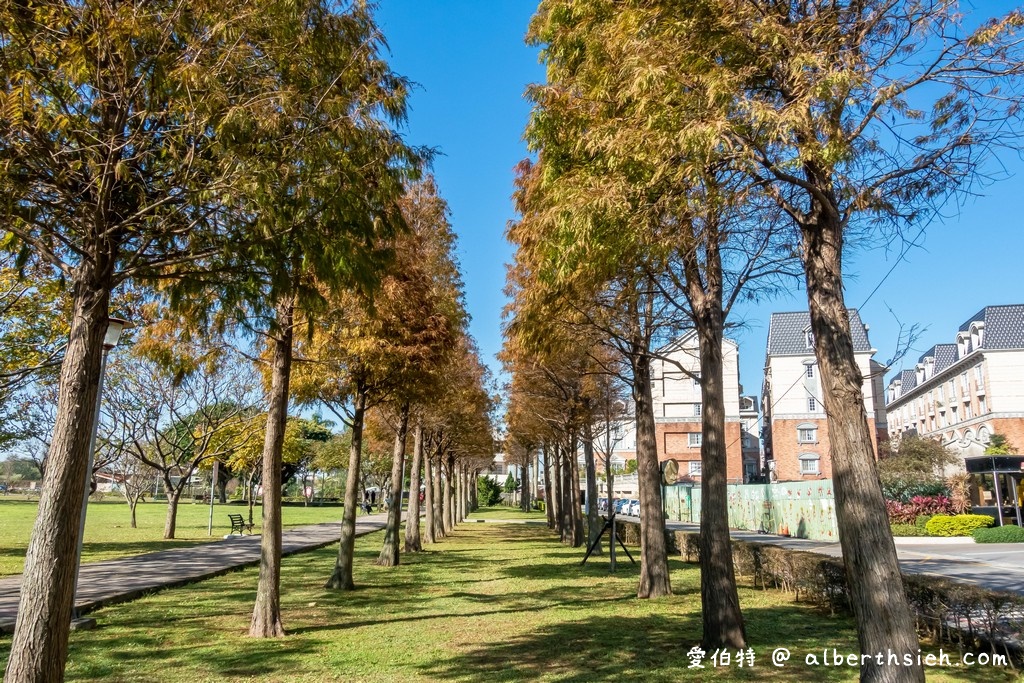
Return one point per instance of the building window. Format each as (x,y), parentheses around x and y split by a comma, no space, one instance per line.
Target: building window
(809,371)
(696,409)
(979,377)
(695,439)
(694,468)
(982,409)
(809,464)
(963,383)
(807,434)
(809,339)
(696,380)
(812,405)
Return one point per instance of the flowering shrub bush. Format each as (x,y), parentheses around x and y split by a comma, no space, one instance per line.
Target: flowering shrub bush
(907,513)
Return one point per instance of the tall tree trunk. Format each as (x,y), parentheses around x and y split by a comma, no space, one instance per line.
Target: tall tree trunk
(654,577)
(474,490)
(413,544)
(524,485)
(222,487)
(460,493)
(565,502)
(134,504)
(557,499)
(251,494)
(722,618)
(266,613)
(578,536)
(593,523)
(40,643)
(171,519)
(879,604)
(549,498)
(428,500)
(448,516)
(389,553)
(439,525)
(720,603)
(341,578)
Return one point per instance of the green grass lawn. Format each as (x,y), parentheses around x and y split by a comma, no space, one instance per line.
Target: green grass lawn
(491,603)
(108,533)
(505,512)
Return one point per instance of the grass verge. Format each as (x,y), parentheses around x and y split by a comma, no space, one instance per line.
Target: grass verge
(108,532)
(491,603)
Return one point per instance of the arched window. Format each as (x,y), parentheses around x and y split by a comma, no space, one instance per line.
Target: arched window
(810,463)
(807,432)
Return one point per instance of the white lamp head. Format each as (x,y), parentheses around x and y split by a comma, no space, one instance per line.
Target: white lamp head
(114,328)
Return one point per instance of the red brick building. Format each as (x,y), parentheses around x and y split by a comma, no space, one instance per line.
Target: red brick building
(795,429)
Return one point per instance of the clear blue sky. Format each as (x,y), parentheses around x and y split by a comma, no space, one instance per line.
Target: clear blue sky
(472,67)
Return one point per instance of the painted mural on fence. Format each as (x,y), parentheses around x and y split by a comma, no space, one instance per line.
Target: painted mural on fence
(805,509)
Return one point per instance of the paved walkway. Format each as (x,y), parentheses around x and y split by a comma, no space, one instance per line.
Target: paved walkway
(997,566)
(102,583)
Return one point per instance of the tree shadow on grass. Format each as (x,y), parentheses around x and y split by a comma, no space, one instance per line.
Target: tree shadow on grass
(654,648)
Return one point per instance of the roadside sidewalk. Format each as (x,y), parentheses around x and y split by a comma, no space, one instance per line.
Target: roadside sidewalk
(103,583)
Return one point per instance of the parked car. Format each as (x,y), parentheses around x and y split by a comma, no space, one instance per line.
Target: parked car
(620,506)
(634,508)
(602,505)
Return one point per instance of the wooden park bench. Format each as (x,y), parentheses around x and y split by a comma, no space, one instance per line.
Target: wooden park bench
(239,524)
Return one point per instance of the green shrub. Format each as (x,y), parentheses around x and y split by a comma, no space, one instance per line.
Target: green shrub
(903,490)
(907,530)
(958,525)
(922,521)
(488,491)
(999,534)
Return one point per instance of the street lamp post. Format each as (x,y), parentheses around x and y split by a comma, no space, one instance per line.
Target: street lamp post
(113,334)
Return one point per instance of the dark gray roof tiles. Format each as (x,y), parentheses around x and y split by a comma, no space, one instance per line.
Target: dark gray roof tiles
(945,355)
(787,333)
(908,380)
(1004,329)
(1004,326)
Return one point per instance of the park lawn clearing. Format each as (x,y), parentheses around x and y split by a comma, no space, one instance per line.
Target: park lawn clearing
(490,603)
(505,512)
(108,532)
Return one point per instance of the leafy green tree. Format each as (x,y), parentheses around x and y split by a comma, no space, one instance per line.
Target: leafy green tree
(115,121)
(917,460)
(326,170)
(173,422)
(488,491)
(998,445)
(858,120)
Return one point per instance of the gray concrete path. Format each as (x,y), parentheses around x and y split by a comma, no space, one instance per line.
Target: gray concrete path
(103,583)
(997,566)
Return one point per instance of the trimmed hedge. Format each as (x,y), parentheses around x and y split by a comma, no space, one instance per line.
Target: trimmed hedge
(907,530)
(922,521)
(999,534)
(957,525)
